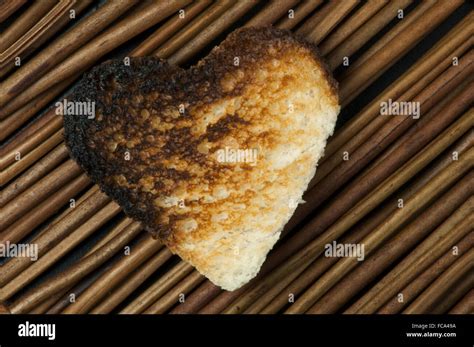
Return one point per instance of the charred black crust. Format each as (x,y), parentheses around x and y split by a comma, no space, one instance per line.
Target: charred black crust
(112,83)
(92,87)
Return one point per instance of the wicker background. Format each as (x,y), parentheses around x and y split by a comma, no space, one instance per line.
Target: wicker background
(419,250)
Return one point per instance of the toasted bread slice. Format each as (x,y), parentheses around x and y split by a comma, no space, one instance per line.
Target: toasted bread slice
(213,160)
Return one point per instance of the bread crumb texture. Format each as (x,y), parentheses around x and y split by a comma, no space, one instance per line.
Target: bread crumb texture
(212,160)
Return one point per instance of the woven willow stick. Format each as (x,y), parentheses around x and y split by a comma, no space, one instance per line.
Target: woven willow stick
(76,271)
(414,16)
(363,14)
(457,82)
(35,36)
(273,11)
(45,305)
(58,251)
(62,298)
(56,219)
(54,234)
(89,53)
(463,266)
(447,109)
(390,252)
(446,235)
(199,298)
(327,21)
(57,200)
(110,235)
(208,34)
(25,113)
(323,263)
(345,265)
(18,206)
(58,301)
(443,49)
(452,296)
(331,10)
(278,296)
(23,226)
(453,76)
(146,248)
(411,291)
(132,282)
(169,28)
(27,132)
(173,295)
(110,282)
(465,305)
(65,295)
(300,12)
(192,29)
(368,30)
(107,245)
(158,289)
(356,80)
(25,162)
(61,48)
(7,8)
(17,119)
(24,22)
(37,31)
(39,170)
(39,136)
(449,80)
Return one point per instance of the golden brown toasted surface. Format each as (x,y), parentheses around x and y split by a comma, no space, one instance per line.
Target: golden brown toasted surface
(153,145)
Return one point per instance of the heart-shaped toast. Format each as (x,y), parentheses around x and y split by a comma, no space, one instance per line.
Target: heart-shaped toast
(212,160)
